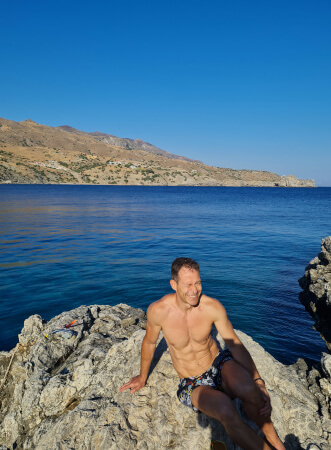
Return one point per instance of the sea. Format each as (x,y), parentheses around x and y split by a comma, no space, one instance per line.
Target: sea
(63,246)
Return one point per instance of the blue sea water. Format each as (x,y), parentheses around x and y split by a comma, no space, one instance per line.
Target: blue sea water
(64,246)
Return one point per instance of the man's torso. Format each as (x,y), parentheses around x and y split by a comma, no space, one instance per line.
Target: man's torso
(187,334)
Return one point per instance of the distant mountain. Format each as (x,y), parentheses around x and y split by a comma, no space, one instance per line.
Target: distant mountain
(34,153)
(130,144)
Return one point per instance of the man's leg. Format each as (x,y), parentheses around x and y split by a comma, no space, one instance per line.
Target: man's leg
(237,382)
(218,405)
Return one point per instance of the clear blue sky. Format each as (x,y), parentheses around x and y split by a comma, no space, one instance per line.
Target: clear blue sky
(240,84)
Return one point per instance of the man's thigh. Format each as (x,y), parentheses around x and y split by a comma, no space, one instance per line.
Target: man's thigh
(214,403)
(237,381)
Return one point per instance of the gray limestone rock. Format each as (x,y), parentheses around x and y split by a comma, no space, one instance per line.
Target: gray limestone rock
(31,330)
(63,393)
(326,365)
(316,291)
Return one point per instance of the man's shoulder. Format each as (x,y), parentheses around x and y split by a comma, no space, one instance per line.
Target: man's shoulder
(209,301)
(160,308)
(212,305)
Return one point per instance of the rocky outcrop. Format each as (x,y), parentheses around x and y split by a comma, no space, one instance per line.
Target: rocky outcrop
(62,391)
(293,181)
(316,294)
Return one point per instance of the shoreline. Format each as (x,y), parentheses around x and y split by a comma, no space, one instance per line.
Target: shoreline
(160,185)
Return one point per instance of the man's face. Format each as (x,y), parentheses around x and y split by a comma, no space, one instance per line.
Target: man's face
(188,286)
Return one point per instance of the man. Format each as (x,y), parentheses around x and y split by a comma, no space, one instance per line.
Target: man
(209,379)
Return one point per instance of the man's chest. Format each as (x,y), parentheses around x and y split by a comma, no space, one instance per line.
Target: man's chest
(181,331)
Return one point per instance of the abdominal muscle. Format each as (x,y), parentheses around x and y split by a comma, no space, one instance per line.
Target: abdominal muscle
(193,359)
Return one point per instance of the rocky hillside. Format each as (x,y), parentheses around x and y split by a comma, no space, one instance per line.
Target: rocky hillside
(129,144)
(61,391)
(316,294)
(33,153)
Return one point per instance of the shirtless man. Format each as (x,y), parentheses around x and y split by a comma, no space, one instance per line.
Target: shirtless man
(186,318)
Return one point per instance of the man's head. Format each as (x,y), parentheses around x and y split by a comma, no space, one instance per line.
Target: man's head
(185,280)
(178,263)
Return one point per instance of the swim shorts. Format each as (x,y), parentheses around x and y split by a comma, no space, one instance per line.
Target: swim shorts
(212,377)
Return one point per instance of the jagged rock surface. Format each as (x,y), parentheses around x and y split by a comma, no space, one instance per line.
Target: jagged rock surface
(64,394)
(316,294)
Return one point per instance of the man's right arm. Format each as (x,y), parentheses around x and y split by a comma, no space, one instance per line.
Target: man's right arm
(147,352)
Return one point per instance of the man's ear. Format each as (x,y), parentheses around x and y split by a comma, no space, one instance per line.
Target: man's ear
(173,284)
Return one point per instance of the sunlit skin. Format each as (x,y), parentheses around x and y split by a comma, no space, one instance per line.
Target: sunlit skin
(186,318)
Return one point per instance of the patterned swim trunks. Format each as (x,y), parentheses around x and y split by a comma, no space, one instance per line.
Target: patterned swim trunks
(212,377)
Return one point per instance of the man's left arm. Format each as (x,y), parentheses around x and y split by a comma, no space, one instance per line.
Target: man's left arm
(240,353)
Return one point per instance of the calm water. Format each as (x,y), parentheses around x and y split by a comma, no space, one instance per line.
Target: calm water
(64,246)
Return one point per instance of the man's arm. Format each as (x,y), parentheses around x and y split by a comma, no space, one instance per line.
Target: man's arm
(238,350)
(240,353)
(147,353)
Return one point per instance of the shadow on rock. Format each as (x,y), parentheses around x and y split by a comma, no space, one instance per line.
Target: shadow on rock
(160,349)
(292,442)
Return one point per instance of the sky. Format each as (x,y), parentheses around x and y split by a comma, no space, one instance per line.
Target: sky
(239,84)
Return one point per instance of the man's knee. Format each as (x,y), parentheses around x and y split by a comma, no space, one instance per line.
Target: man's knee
(251,393)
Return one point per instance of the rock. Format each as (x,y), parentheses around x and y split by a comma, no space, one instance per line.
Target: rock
(64,393)
(326,365)
(316,294)
(292,181)
(31,330)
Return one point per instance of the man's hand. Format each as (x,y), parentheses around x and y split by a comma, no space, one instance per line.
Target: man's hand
(266,410)
(134,384)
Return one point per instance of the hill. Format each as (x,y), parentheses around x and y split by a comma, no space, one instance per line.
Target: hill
(34,153)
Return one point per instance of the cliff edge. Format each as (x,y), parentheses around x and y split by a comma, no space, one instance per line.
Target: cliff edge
(316,294)
(62,391)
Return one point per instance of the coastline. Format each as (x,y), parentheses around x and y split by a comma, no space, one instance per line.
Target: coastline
(34,153)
